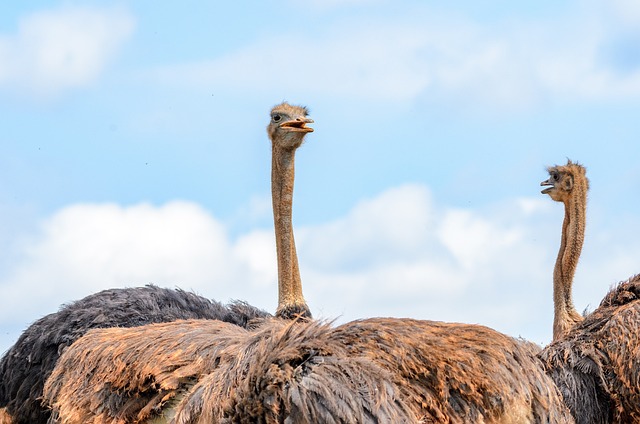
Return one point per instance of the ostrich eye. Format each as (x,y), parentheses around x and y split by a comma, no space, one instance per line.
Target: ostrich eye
(555,176)
(277,118)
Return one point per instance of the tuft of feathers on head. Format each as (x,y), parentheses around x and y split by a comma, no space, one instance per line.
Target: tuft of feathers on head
(304,110)
(570,167)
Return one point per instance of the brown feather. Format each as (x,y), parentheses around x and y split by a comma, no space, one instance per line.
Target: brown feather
(279,370)
(365,371)
(597,365)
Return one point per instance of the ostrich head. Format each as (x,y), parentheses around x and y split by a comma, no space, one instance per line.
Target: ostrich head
(562,181)
(288,125)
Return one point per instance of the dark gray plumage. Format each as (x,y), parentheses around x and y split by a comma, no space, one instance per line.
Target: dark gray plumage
(25,366)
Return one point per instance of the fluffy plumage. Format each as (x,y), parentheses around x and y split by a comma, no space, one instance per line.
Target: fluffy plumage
(597,365)
(458,373)
(25,366)
(368,371)
(210,371)
(4,417)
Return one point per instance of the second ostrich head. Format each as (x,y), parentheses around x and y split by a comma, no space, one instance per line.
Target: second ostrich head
(287,129)
(566,181)
(567,184)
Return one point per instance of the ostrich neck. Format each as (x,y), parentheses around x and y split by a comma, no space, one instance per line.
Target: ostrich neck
(290,298)
(573,227)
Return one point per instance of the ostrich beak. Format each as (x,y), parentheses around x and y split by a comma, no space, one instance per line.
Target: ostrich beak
(547,183)
(298,125)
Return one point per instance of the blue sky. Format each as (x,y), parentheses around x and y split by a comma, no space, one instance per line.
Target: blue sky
(133,150)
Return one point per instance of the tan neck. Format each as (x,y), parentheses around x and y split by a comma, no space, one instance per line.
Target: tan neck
(573,227)
(291,302)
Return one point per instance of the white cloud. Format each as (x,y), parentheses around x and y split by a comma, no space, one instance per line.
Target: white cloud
(386,228)
(85,248)
(398,254)
(442,59)
(60,49)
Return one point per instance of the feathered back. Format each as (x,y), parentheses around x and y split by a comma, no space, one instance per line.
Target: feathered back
(294,372)
(458,373)
(210,371)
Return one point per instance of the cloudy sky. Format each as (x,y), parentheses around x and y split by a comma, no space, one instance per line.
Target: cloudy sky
(133,150)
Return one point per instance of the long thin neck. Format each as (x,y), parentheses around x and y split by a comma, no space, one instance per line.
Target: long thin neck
(291,301)
(573,227)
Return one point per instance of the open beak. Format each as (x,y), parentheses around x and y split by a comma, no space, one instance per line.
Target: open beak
(298,125)
(547,183)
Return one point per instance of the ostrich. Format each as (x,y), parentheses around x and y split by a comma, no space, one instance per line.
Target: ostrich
(595,360)
(25,366)
(567,184)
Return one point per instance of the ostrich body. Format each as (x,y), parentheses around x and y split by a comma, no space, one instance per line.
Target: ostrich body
(567,184)
(596,365)
(26,366)
(306,372)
